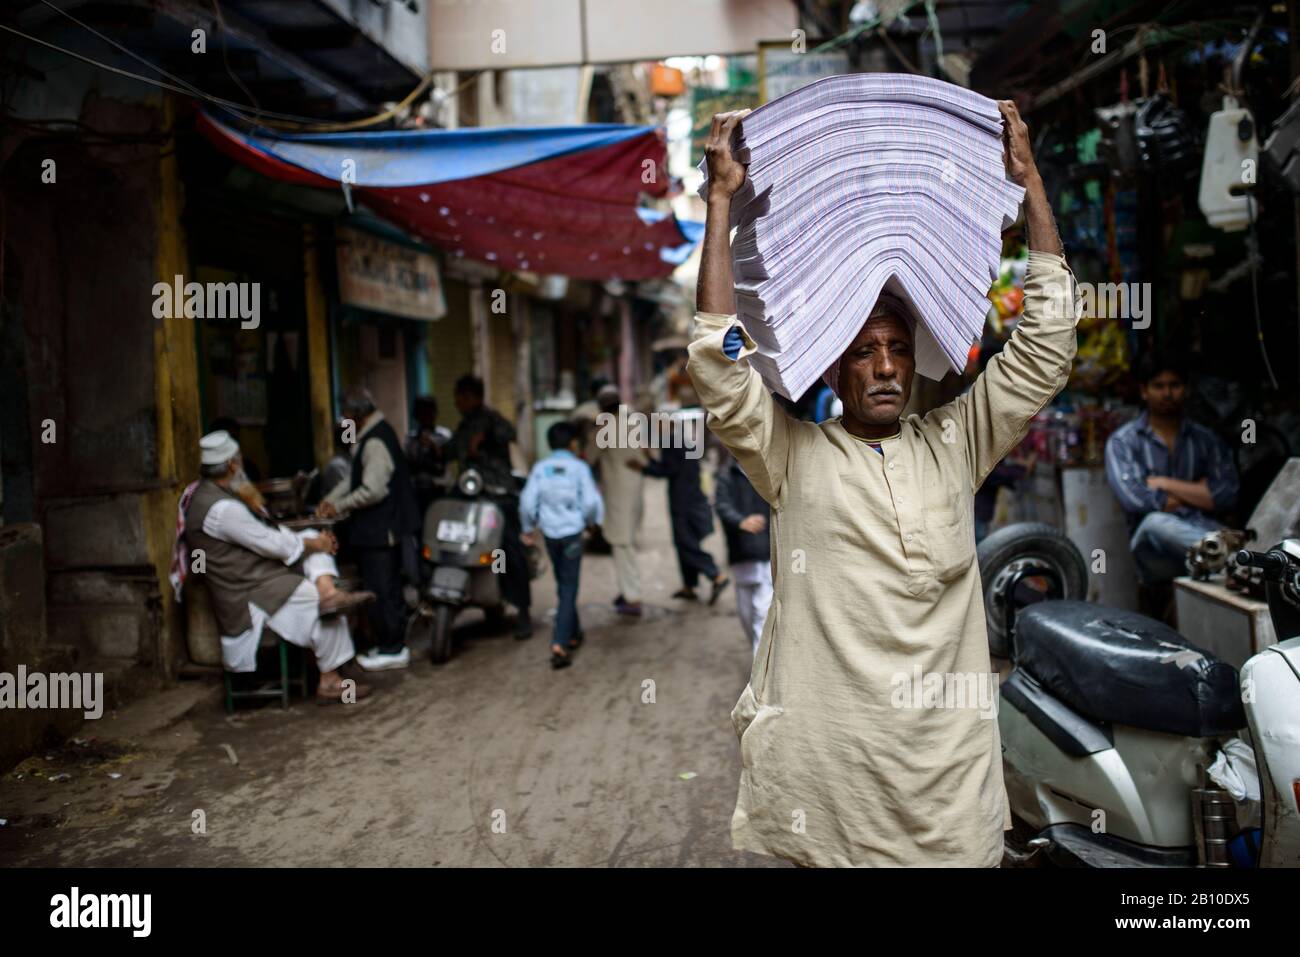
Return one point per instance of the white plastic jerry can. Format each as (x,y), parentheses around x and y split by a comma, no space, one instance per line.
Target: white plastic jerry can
(1230,167)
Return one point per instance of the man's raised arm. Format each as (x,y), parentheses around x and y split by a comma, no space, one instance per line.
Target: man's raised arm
(995,412)
(741,411)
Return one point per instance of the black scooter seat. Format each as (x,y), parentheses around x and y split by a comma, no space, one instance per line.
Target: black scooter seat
(1124,668)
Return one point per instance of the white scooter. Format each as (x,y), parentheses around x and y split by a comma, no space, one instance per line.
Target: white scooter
(1109,720)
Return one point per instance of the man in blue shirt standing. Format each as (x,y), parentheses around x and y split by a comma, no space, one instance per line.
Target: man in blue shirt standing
(1171,475)
(561,499)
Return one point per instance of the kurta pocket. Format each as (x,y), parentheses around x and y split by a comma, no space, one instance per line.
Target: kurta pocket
(744,711)
(756,741)
(950,538)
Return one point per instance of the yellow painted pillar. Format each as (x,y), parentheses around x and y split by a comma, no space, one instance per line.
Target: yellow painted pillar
(176,394)
(318,348)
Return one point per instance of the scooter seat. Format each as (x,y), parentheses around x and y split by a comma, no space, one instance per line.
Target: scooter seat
(1124,668)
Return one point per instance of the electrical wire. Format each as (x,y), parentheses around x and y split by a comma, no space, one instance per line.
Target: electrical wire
(109,40)
(932,19)
(225,57)
(265,118)
(1254,289)
(236,108)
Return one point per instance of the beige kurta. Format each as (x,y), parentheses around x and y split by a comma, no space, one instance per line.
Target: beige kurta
(622,489)
(876,580)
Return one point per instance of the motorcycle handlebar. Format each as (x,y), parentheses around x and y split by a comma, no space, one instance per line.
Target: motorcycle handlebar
(1273,562)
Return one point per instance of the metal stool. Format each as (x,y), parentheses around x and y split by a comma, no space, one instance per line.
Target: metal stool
(270,639)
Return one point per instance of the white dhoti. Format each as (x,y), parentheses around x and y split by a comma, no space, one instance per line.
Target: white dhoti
(629,575)
(753,597)
(297,621)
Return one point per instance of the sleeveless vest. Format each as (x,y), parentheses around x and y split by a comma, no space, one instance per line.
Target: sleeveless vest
(397,512)
(234,574)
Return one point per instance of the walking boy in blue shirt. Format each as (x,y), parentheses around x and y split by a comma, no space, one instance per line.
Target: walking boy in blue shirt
(561,499)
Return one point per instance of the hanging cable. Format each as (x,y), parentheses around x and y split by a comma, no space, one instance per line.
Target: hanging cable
(265,118)
(228,105)
(225,58)
(1253,254)
(111,42)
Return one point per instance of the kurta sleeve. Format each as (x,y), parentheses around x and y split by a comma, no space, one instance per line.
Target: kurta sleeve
(742,413)
(232,522)
(994,413)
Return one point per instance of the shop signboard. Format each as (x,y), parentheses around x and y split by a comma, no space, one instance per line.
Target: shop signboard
(383,276)
(783,68)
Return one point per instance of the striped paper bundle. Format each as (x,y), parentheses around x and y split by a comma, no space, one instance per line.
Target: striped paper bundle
(858,184)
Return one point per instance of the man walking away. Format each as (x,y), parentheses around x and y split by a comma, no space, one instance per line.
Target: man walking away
(744,517)
(378,501)
(561,499)
(622,488)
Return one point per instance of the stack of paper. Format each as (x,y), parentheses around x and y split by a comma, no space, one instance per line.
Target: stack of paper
(857,184)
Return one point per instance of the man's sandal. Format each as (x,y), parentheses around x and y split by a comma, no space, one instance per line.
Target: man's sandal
(342,602)
(335,696)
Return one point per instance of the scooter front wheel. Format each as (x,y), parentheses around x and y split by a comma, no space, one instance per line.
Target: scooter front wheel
(440,650)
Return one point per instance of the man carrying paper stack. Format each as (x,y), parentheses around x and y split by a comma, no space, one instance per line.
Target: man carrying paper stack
(877,587)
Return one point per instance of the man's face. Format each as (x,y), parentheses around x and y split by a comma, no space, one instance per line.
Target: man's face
(466,402)
(876,372)
(1165,394)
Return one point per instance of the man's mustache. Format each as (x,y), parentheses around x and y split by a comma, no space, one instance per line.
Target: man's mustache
(890,388)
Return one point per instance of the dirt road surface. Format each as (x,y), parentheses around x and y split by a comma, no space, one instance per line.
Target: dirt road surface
(491,760)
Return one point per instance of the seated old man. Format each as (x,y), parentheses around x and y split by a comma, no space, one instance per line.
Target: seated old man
(263,575)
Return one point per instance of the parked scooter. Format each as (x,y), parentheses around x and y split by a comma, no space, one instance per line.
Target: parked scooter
(1110,719)
(461,554)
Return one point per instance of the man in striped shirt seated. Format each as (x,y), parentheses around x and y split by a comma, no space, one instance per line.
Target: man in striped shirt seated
(1171,475)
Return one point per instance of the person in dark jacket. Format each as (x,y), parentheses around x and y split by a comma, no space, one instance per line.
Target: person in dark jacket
(427,451)
(378,501)
(744,517)
(688,507)
(482,441)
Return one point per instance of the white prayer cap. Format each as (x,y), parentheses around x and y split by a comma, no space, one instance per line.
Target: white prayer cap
(217,448)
